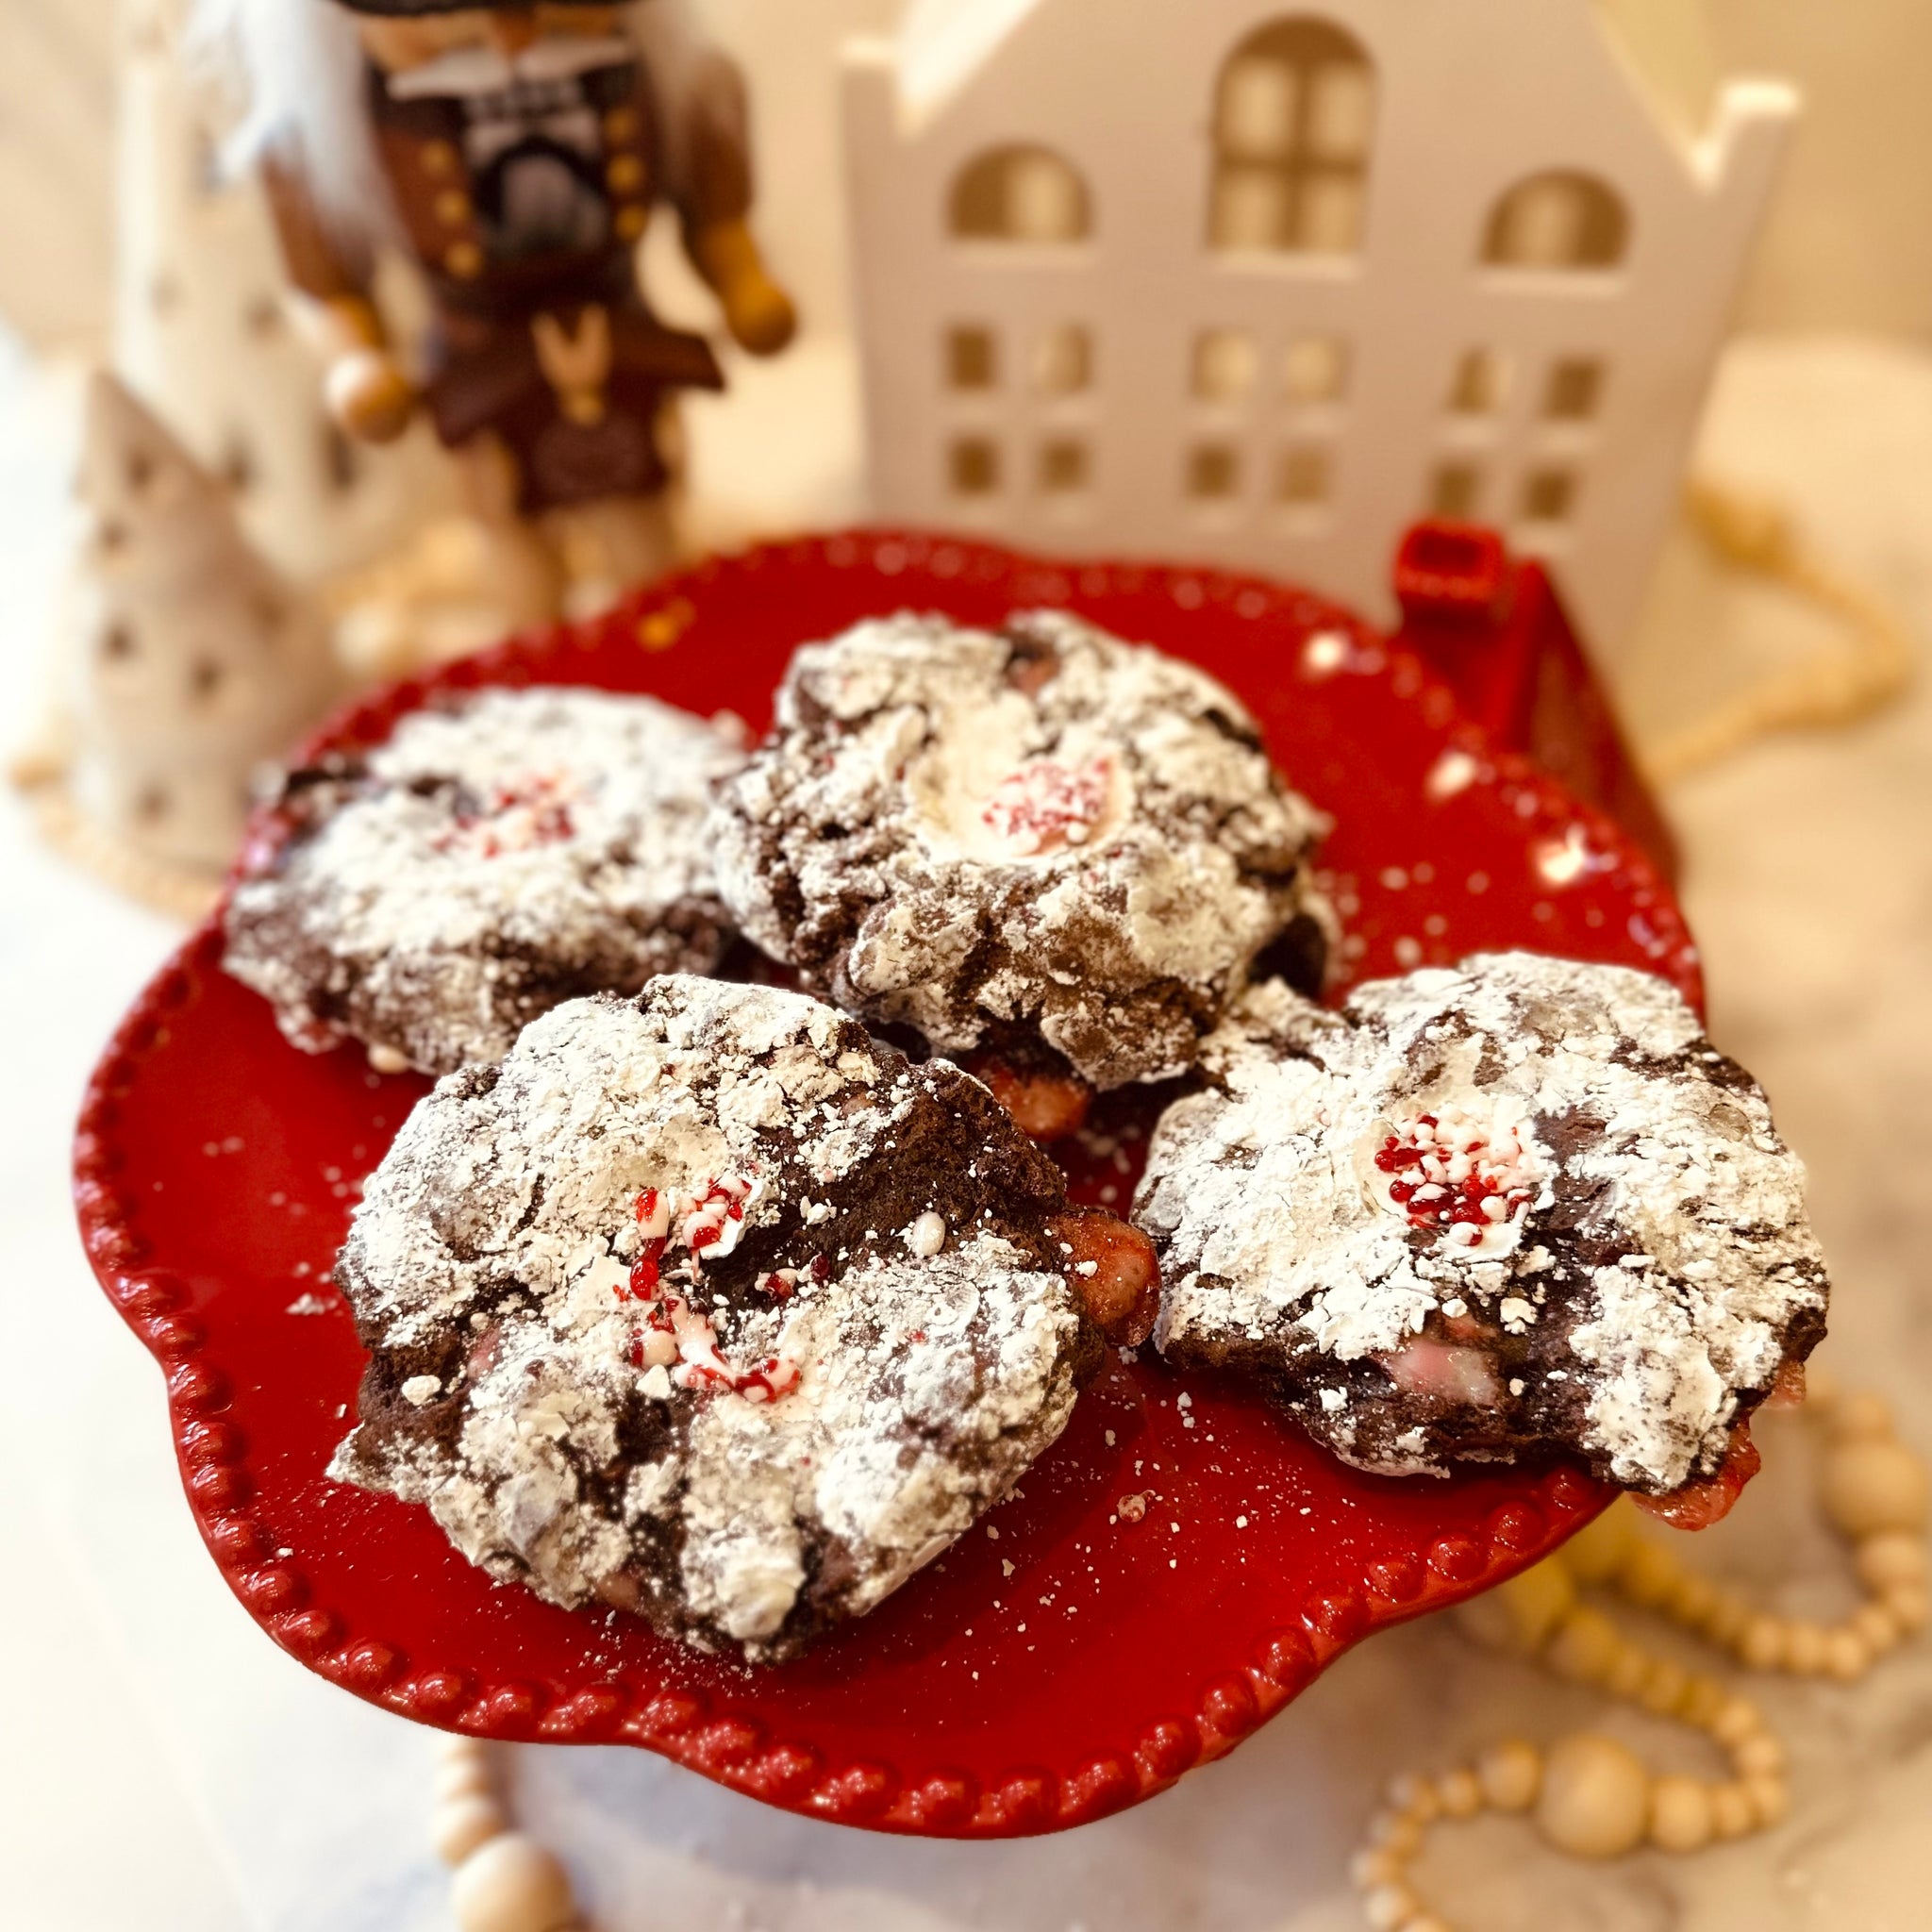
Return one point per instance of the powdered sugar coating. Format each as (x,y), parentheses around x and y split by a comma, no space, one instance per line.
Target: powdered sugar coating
(503,1249)
(1037,835)
(1645,1269)
(489,860)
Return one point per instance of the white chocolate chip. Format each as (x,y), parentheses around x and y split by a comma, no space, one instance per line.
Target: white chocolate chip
(421,1389)
(927,1235)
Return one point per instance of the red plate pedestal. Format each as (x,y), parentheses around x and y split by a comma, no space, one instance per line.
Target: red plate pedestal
(1067,1658)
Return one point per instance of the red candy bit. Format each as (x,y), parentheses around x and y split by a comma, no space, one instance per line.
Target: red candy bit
(1044,1106)
(709,1214)
(1697,1506)
(1787,1390)
(776,1378)
(518,816)
(1114,1270)
(1458,1176)
(697,1223)
(642,1285)
(1045,805)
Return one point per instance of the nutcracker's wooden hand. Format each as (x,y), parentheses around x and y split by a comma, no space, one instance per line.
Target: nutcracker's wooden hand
(756,310)
(368,394)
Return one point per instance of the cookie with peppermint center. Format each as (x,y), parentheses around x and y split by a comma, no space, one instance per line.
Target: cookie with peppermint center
(1517,1208)
(495,856)
(706,1305)
(1037,842)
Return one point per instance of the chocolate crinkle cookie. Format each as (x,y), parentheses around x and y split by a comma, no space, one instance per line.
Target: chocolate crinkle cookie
(706,1306)
(1035,837)
(514,850)
(1493,1213)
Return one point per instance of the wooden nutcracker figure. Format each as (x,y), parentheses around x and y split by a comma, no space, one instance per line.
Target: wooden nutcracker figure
(515,152)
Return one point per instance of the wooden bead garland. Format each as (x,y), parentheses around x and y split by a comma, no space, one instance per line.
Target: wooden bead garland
(1591,1797)
(504,1881)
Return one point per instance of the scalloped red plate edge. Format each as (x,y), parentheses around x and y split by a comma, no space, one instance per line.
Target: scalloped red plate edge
(707,1735)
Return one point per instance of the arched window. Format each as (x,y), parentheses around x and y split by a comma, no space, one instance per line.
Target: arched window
(1294,119)
(1021,194)
(1560,220)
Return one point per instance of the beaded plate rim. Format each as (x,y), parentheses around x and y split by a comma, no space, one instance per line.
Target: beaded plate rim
(704,1733)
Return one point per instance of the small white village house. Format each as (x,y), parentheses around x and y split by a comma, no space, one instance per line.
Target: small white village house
(1261,284)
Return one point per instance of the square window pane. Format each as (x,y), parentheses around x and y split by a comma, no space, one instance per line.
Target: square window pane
(1315,370)
(1545,227)
(1064,361)
(1065,467)
(970,359)
(972,466)
(1042,199)
(1251,208)
(1341,106)
(1456,491)
(1225,360)
(1303,475)
(1574,391)
(1329,220)
(1257,108)
(1214,472)
(1549,496)
(1482,384)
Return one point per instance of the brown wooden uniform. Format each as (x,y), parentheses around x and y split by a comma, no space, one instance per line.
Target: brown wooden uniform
(552,350)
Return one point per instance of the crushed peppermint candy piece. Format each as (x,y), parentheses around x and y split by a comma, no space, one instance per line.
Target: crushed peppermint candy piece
(1045,805)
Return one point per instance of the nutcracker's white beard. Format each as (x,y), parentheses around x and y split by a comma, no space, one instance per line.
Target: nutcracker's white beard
(292,71)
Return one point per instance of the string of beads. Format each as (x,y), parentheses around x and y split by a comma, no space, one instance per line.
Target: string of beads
(503,1880)
(1591,1797)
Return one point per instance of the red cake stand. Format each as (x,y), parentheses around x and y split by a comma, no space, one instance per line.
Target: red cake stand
(1170,1575)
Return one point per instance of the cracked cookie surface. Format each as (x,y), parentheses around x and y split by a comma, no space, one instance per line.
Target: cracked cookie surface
(1033,837)
(490,860)
(1517,1208)
(710,1306)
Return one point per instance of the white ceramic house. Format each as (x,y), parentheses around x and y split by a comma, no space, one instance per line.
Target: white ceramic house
(1262,283)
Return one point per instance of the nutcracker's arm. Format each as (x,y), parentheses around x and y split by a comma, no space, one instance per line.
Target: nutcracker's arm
(710,184)
(367,394)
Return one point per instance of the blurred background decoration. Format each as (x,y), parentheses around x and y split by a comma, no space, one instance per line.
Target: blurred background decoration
(1351,264)
(1265,286)
(1242,281)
